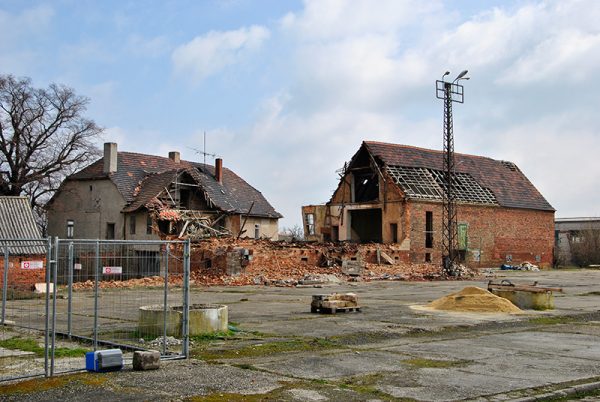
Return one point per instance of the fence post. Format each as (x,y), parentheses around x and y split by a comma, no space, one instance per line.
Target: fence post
(70,301)
(54,285)
(5,281)
(165,299)
(97,269)
(185,330)
(47,323)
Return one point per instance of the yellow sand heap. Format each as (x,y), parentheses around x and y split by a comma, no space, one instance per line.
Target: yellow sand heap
(474,299)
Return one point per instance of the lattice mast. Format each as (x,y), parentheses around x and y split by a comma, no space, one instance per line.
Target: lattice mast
(449,92)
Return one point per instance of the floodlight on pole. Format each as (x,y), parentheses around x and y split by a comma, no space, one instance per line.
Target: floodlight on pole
(449,92)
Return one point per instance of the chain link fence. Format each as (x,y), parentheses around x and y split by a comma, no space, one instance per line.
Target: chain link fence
(61,298)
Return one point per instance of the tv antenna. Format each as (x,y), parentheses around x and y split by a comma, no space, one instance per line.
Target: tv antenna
(203,152)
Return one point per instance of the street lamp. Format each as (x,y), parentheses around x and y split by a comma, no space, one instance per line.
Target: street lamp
(449,92)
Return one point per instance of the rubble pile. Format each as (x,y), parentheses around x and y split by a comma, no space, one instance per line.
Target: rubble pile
(231,262)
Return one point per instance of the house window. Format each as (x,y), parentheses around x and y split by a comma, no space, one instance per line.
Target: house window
(257,231)
(149,224)
(110,231)
(427,257)
(394,231)
(132,224)
(310,223)
(428,229)
(70,228)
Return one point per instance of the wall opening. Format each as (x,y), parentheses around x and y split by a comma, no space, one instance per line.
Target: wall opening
(365,225)
(309,220)
(335,233)
(428,229)
(257,231)
(366,186)
(394,232)
(427,257)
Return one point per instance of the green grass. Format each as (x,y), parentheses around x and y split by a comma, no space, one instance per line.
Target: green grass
(429,363)
(31,345)
(211,336)
(267,348)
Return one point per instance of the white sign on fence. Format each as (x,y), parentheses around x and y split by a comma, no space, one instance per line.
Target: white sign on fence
(77,266)
(32,264)
(112,270)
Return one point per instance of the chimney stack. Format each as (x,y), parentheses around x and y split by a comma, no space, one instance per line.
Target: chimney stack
(110,157)
(175,156)
(219,170)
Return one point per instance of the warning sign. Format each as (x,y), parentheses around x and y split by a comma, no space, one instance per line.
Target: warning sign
(32,264)
(77,266)
(112,270)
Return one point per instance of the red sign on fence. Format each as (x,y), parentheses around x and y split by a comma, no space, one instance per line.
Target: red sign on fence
(32,264)
(112,270)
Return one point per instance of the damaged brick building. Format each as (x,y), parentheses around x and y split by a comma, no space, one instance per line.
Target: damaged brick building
(132,196)
(391,193)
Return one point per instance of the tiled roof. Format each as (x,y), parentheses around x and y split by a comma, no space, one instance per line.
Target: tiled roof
(17,222)
(504,179)
(137,171)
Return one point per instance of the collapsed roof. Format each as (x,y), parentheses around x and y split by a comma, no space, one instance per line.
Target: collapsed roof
(478,180)
(140,178)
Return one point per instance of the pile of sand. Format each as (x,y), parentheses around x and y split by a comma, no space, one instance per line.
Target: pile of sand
(474,299)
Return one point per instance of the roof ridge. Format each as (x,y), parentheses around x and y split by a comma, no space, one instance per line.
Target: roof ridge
(432,150)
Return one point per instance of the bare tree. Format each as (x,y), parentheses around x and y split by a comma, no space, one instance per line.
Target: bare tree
(43,137)
(295,233)
(585,247)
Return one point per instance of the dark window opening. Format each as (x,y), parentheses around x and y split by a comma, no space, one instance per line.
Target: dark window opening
(428,229)
(335,233)
(394,230)
(366,186)
(165,227)
(304,259)
(365,225)
(132,224)
(110,231)
(257,231)
(149,225)
(427,257)
(184,198)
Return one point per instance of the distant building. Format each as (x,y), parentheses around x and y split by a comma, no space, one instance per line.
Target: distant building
(21,242)
(570,232)
(392,193)
(135,196)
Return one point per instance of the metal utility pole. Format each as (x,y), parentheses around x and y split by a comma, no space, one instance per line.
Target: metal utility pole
(449,92)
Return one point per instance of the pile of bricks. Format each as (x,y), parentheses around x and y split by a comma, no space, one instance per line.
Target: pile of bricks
(231,262)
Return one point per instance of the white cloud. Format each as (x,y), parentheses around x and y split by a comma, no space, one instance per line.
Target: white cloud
(207,54)
(149,47)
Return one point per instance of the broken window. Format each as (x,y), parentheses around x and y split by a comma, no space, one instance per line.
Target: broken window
(149,224)
(257,231)
(110,231)
(428,229)
(310,224)
(132,224)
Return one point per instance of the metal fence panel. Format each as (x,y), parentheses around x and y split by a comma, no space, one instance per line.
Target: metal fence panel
(132,295)
(25,305)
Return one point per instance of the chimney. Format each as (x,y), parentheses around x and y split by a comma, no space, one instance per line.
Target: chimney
(110,157)
(175,156)
(219,170)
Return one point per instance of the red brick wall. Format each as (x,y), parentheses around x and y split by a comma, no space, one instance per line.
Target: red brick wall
(521,233)
(22,279)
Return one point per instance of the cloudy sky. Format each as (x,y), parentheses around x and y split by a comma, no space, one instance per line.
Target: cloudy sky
(287,90)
